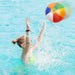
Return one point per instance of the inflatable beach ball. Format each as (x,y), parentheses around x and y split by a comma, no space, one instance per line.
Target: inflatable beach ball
(55,12)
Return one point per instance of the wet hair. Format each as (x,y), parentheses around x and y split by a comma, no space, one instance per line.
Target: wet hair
(19,41)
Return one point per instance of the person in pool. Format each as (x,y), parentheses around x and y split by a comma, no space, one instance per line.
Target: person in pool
(25,42)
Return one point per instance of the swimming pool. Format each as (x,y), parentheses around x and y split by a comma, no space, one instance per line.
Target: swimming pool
(55,56)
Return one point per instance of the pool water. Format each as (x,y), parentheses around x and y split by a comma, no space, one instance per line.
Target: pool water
(56,54)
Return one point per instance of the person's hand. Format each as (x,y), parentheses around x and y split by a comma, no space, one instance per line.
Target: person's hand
(28,22)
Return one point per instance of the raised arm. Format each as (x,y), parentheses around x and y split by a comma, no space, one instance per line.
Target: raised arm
(28,32)
(39,38)
(27,36)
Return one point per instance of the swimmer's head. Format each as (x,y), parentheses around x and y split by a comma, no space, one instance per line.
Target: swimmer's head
(21,41)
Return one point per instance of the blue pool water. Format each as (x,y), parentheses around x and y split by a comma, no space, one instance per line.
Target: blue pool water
(56,54)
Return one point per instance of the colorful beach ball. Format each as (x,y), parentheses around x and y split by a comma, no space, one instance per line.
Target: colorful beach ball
(55,12)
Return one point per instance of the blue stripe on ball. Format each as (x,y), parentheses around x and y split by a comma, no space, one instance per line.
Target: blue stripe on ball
(47,10)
